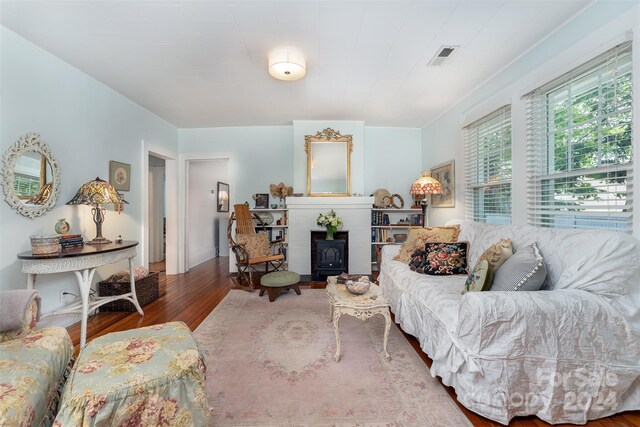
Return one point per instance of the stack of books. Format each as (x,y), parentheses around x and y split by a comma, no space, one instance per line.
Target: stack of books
(71,241)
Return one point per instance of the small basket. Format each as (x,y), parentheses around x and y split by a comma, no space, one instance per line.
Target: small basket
(45,244)
(147,291)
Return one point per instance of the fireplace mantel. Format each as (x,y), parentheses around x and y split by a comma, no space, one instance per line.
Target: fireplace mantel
(356,216)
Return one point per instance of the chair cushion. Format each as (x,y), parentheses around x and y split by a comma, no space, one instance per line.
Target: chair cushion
(419,236)
(33,367)
(277,279)
(256,245)
(148,376)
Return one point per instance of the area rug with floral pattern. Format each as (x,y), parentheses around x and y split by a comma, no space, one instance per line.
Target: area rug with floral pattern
(271,364)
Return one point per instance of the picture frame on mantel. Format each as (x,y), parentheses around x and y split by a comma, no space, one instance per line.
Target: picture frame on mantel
(120,175)
(445,174)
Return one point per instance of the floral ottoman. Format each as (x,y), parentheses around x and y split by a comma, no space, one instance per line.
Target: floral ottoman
(153,376)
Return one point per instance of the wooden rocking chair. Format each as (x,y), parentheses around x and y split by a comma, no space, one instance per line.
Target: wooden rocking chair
(253,251)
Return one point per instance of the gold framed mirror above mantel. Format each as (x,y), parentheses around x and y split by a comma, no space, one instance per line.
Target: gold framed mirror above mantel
(328,163)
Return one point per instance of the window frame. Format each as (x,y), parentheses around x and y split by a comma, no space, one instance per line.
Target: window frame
(489,168)
(548,204)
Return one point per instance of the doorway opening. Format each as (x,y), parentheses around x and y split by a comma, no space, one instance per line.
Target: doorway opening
(157,214)
(206,228)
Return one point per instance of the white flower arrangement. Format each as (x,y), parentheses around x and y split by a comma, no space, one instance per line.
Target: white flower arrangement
(331,221)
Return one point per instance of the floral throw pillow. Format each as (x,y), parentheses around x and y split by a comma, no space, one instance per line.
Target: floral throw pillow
(480,278)
(441,258)
(419,236)
(257,245)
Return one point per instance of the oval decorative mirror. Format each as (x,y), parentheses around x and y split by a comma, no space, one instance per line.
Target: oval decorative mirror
(328,163)
(30,176)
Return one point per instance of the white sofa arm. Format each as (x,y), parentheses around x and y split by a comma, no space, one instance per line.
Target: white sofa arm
(388,252)
(545,324)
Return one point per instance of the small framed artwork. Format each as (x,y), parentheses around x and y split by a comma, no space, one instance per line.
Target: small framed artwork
(120,175)
(223,197)
(445,173)
(262,200)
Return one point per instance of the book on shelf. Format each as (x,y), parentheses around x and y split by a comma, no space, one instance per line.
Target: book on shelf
(379,218)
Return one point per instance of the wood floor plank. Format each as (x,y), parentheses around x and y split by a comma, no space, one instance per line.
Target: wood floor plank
(190,297)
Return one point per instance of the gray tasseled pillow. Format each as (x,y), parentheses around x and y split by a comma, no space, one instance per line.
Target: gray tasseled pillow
(523,271)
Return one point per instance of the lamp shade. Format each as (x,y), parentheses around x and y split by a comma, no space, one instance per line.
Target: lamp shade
(426,185)
(96,192)
(287,64)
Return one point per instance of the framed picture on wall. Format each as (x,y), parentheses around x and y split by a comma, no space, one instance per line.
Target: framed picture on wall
(445,174)
(262,200)
(223,197)
(120,175)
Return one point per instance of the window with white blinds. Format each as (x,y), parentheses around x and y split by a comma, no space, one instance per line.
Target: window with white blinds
(579,147)
(488,168)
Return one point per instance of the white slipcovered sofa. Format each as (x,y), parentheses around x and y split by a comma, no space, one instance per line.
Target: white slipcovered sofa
(567,353)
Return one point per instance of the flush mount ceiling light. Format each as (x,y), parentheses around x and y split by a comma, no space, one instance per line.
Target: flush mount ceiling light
(287,64)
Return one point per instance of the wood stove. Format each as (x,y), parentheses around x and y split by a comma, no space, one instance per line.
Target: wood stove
(329,257)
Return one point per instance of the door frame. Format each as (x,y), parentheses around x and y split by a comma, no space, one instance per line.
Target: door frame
(171,204)
(183,197)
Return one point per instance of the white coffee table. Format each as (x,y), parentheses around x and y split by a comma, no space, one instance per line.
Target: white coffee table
(362,307)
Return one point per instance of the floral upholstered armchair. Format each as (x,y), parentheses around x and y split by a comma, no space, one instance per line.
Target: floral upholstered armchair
(33,368)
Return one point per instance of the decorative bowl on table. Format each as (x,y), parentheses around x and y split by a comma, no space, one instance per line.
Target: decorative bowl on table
(359,286)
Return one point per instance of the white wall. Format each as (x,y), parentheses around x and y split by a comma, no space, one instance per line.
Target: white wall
(202,214)
(599,27)
(86,124)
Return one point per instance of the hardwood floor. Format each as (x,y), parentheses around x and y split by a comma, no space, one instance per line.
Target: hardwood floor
(190,297)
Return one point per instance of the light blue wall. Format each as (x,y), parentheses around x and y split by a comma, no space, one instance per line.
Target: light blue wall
(393,160)
(261,155)
(597,28)
(86,124)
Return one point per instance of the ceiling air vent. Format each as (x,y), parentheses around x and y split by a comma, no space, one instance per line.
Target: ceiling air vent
(444,53)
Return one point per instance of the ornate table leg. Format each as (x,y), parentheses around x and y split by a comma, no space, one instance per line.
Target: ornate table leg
(85,277)
(387,326)
(134,297)
(336,328)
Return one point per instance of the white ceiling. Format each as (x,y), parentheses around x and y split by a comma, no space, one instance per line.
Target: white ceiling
(204,63)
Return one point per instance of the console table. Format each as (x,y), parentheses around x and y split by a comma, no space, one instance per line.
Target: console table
(83,262)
